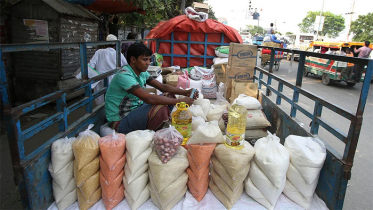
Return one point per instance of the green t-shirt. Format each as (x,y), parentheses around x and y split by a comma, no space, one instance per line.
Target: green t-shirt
(119,101)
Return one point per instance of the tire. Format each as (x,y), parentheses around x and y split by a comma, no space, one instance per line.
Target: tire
(351,84)
(305,72)
(326,80)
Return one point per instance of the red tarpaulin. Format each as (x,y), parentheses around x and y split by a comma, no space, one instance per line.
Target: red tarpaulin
(114,7)
(181,26)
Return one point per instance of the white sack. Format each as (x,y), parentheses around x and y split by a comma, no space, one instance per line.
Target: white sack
(208,132)
(221,125)
(138,141)
(134,165)
(215,112)
(209,88)
(255,193)
(204,103)
(64,175)
(196,121)
(130,177)
(105,130)
(219,60)
(68,200)
(272,158)
(293,193)
(165,174)
(240,158)
(297,180)
(256,119)
(196,84)
(62,153)
(197,111)
(135,188)
(227,202)
(247,101)
(265,186)
(144,196)
(60,193)
(307,156)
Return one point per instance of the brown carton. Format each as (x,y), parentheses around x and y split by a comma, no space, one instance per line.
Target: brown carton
(242,55)
(219,71)
(246,87)
(237,73)
(172,79)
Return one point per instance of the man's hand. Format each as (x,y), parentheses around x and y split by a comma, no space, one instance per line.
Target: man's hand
(187,100)
(189,92)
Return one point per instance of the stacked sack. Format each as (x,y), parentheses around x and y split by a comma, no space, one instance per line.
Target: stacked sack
(209,85)
(228,171)
(256,121)
(267,176)
(198,173)
(307,156)
(86,168)
(167,165)
(136,169)
(62,172)
(112,160)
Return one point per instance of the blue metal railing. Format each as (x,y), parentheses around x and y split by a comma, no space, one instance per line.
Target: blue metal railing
(189,42)
(355,119)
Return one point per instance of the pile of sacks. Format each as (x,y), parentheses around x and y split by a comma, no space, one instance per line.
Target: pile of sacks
(256,121)
(86,168)
(267,176)
(307,157)
(198,171)
(112,160)
(168,181)
(62,172)
(228,171)
(136,169)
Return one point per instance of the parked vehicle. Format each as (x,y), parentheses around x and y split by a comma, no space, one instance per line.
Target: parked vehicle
(31,168)
(257,40)
(299,42)
(328,69)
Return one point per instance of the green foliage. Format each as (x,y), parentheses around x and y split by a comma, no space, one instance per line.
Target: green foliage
(289,33)
(253,30)
(156,11)
(363,28)
(333,24)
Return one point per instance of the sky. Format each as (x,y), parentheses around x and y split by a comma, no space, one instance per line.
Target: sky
(287,14)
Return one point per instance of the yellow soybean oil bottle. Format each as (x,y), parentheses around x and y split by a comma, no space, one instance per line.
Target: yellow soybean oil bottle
(182,121)
(235,133)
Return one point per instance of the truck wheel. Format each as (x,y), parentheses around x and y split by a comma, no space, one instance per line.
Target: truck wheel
(326,80)
(305,72)
(351,84)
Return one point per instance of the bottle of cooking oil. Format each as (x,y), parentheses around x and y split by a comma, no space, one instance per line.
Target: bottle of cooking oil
(235,134)
(182,121)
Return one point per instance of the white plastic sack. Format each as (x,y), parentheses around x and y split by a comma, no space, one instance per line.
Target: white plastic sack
(255,193)
(64,175)
(197,16)
(130,177)
(208,132)
(247,101)
(307,156)
(209,88)
(134,165)
(215,112)
(293,193)
(297,180)
(265,186)
(135,188)
(105,130)
(272,158)
(138,141)
(135,204)
(219,60)
(256,119)
(204,103)
(197,111)
(196,84)
(60,193)
(220,100)
(62,153)
(196,121)
(206,74)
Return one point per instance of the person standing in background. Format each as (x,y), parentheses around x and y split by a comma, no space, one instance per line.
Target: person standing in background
(348,69)
(113,26)
(363,53)
(126,45)
(271,30)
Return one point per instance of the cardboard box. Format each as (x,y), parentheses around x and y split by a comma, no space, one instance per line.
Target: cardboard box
(237,73)
(172,79)
(242,55)
(246,87)
(219,71)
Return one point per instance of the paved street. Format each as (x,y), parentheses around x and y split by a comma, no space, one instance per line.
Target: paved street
(360,191)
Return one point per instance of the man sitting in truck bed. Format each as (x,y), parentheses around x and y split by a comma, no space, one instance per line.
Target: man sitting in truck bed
(128,106)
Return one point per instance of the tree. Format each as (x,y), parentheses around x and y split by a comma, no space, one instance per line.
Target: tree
(363,28)
(333,24)
(253,30)
(157,11)
(288,33)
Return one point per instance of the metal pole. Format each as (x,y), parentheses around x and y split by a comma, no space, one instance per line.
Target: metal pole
(352,12)
(317,35)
